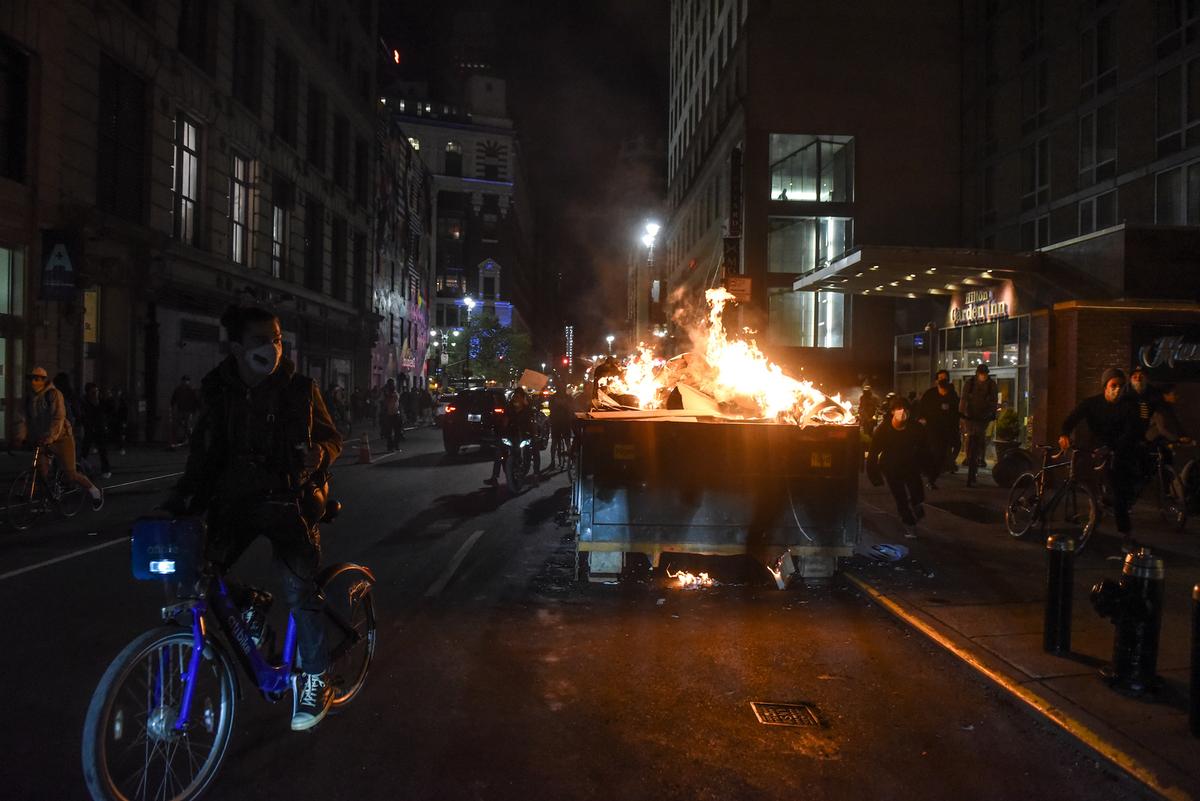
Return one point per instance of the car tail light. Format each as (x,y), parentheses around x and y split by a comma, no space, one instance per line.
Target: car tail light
(498,410)
(450,409)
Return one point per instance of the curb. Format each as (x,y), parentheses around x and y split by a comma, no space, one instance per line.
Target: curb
(1063,714)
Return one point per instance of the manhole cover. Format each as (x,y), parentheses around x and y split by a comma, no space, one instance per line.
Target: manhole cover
(785,714)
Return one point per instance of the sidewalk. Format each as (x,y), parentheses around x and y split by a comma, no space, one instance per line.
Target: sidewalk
(980,593)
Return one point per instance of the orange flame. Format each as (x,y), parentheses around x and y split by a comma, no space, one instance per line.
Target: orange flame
(734,372)
(690,581)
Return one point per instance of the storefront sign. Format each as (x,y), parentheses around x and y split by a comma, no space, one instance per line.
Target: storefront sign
(979,306)
(735,192)
(1169,352)
(61,260)
(739,286)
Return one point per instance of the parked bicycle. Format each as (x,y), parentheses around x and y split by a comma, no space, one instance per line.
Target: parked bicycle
(1170,489)
(1059,498)
(32,494)
(160,720)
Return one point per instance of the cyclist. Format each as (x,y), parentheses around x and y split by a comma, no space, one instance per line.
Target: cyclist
(1113,422)
(560,427)
(44,421)
(259,462)
(518,419)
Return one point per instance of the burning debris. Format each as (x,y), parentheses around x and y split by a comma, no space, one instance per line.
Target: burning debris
(722,377)
(690,581)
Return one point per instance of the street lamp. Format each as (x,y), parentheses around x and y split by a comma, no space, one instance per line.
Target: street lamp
(609,339)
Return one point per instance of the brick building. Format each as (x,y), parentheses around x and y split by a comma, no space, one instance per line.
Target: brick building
(164,158)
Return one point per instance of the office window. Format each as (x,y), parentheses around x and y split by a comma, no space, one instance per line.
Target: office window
(194,32)
(1098,145)
(247,57)
(1034,95)
(14,111)
(1033,26)
(338,247)
(359,275)
(1035,233)
(186,183)
(239,211)
(120,151)
(1177,24)
(286,89)
(314,245)
(806,319)
(987,192)
(1177,196)
(315,140)
(813,168)
(1099,65)
(1097,213)
(361,166)
(804,244)
(1035,174)
(341,151)
(453,158)
(1178,118)
(12,281)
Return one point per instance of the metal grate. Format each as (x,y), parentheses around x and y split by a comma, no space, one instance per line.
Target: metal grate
(785,714)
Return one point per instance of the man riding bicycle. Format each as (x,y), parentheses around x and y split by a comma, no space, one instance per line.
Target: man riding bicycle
(1112,420)
(259,461)
(44,422)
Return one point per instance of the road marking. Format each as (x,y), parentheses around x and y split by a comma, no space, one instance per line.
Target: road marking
(141,481)
(63,558)
(444,579)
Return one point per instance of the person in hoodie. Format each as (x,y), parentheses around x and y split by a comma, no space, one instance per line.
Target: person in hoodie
(899,455)
(259,460)
(1113,421)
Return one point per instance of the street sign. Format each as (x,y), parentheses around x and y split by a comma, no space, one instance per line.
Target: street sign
(739,287)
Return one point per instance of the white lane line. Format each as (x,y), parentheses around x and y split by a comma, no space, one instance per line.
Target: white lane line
(63,558)
(141,481)
(444,579)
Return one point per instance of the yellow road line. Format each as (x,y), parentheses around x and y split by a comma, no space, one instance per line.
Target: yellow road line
(1076,728)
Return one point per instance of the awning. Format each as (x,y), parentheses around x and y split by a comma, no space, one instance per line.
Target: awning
(918,272)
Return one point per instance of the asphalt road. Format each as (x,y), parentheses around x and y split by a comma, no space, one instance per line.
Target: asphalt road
(498,677)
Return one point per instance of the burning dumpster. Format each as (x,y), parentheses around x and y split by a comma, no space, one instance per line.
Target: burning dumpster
(716,452)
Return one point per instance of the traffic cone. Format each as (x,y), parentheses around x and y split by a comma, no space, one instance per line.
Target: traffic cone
(364,450)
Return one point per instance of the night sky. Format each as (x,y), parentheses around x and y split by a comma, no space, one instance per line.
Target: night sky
(582,76)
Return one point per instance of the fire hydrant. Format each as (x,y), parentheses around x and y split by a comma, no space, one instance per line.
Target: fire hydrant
(1135,605)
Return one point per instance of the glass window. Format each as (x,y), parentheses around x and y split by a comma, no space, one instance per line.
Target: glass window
(121,135)
(14,111)
(187,179)
(278,240)
(979,341)
(1009,342)
(830,332)
(239,211)
(790,318)
(1169,207)
(802,244)
(812,168)
(904,353)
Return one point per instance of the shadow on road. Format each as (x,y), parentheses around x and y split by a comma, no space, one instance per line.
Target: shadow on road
(543,509)
(445,512)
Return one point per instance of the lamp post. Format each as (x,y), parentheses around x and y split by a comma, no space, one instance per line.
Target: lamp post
(609,339)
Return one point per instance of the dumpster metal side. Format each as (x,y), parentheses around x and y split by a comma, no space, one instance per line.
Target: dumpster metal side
(717,487)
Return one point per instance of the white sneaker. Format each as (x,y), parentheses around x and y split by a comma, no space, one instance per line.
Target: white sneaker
(311,699)
(106,474)
(98,499)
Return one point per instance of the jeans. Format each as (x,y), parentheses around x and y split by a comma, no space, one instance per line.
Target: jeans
(909,494)
(296,548)
(393,429)
(976,448)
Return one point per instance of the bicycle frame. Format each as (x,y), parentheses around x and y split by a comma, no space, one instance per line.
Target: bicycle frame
(269,678)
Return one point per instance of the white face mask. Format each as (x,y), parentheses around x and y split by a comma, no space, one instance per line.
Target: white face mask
(261,360)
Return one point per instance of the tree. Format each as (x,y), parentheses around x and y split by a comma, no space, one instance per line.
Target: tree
(496,352)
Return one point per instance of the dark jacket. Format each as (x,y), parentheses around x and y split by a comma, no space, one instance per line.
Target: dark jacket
(898,451)
(940,412)
(1145,405)
(251,442)
(978,404)
(1114,425)
(514,422)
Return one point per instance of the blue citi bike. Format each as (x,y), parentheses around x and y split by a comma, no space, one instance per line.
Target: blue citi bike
(160,720)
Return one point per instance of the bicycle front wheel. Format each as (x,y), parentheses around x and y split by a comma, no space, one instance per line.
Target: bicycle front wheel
(1172,499)
(24,505)
(131,748)
(1072,513)
(1022,506)
(349,629)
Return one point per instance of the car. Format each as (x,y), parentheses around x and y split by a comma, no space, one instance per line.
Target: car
(471,419)
(439,409)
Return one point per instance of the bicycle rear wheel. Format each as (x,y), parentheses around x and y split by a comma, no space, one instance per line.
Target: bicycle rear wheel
(1022,506)
(1172,499)
(1072,513)
(24,503)
(131,749)
(350,629)
(69,495)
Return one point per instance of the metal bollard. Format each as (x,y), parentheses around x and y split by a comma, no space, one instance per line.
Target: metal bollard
(1060,580)
(1194,695)
(1135,605)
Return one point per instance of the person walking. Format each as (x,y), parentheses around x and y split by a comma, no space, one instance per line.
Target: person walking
(938,410)
(977,407)
(391,422)
(184,405)
(898,456)
(1113,421)
(868,405)
(120,419)
(96,416)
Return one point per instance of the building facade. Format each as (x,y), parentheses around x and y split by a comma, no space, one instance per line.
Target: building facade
(166,158)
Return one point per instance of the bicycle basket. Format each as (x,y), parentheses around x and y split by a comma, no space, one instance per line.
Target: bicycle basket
(167,550)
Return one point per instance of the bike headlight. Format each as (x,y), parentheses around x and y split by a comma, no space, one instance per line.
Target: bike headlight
(525,443)
(164,567)
(506,441)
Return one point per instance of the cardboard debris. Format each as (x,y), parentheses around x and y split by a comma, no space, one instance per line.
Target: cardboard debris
(533,380)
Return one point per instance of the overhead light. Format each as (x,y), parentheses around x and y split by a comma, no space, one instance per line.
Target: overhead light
(895,283)
(986,274)
(931,271)
(876,267)
(859,275)
(909,277)
(866,292)
(912,294)
(952,287)
(879,288)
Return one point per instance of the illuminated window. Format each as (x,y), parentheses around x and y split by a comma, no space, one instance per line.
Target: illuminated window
(801,245)
(239,211)
(186,185)
(812,168)
(806,319)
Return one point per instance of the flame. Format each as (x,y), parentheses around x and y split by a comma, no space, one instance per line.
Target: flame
(734,372)
(690,581)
